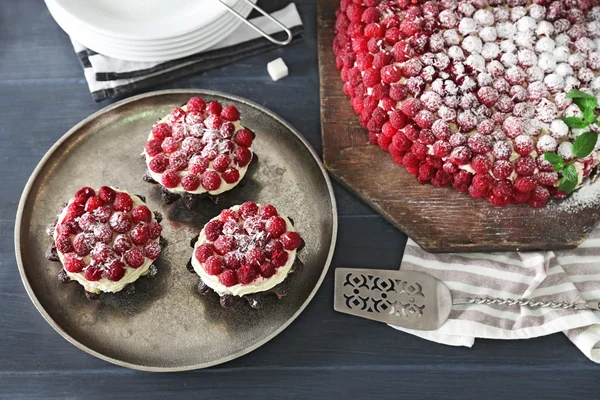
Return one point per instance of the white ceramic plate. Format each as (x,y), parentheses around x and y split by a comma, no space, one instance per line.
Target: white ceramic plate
(144,19)
(195,43)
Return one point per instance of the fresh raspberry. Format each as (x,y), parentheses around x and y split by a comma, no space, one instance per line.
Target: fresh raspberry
(460,155)
(502,169)
(170,179)
(92,203)
(102,254)
(255,256)
(546,178)
(267,211)
(248,209)
(161,131)
(169,145)
(92,273)
(214,107)
(86,222)
(107,194)
(177,115)
(102,233)
(211,180)
(246,274)
(230,175)
(154,230)
(198,165)
(267,270)
(354,12)
(233,260)
(230,113)
(139,234)
(73,263)
(272,247)
(524,184)
(180,132)
(123,202)
(102,214)
(74,210)
(190,182)
(525,166)
(279,258)
(539,197)
(82,244)
(83,194)
(213,230)
(242,156)
(204,251)
(115,271)
(68,228)
(178,161)
(482,182)
(224,244)
(191,146)
(221,163)
(291,240)
(121,244)
(196,104)
(213,122)
(481,163)
(523,145)
(141,214)
(159,164)
(64,244)
(228,278)
(152,250)
(276,226)
(213,265)
(195,121)
(410,107)
(371,77)
(228,215)
(370,15)
(227,130)
(134,258)
(153,147)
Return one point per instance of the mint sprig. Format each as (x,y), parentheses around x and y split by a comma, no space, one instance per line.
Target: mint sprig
(582,146)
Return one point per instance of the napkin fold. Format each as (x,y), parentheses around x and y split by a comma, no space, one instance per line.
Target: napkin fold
(566,275)
(113,78)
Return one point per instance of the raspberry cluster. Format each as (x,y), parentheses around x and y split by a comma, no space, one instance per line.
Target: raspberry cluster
(246,243)
(101,235)
(198,147)
(472,93)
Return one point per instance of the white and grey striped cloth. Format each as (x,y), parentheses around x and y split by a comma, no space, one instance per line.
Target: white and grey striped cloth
(112,78)
(568,275)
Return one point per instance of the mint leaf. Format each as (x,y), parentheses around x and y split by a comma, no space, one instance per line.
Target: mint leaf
(569,180)
(586,104)
(559,166)
(584,144)
(553,158)
(589,115)
(575,122)
(578,94)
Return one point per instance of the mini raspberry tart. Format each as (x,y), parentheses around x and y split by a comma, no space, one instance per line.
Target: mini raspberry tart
(473,93)
(198,150)
(105,240)
(246,252)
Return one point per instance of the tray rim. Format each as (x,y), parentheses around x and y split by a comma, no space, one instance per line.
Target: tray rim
(36,172)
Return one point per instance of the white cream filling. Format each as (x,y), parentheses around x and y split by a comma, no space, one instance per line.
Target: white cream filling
(104,284)
(260,284)
(224,185)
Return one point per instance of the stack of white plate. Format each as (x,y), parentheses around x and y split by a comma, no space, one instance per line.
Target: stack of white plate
(147,30)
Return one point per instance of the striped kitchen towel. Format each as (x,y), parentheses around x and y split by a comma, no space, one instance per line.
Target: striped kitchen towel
(566,275)
(112,78)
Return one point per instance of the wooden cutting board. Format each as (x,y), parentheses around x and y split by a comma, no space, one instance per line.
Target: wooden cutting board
(440,220)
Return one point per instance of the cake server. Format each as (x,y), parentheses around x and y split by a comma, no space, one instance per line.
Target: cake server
(415,300)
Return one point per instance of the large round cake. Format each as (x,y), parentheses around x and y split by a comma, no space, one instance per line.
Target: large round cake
(487,96)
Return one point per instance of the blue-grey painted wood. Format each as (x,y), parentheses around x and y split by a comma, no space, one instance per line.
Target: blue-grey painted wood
(323,354)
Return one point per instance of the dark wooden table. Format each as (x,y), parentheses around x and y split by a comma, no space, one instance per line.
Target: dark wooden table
(322,354)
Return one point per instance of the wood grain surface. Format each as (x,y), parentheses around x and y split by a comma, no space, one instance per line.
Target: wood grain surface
(323,354)
(440,220)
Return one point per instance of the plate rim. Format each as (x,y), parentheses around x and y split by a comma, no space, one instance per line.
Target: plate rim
(36,172)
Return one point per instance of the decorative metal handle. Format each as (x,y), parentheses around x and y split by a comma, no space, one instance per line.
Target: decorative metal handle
(531,303)
(256,28)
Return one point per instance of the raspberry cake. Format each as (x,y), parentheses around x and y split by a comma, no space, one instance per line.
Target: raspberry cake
(105,240)
(246,252)
(473,94)
(198,149)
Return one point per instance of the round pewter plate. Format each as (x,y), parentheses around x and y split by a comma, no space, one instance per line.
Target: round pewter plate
(166,325)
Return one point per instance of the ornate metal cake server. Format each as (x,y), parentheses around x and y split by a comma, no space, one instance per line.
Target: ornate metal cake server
(414,300)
